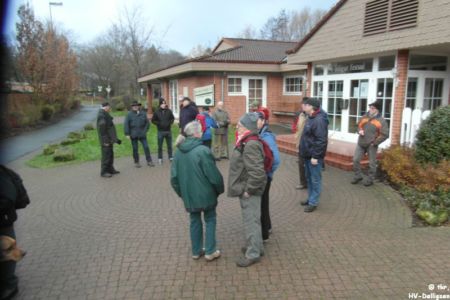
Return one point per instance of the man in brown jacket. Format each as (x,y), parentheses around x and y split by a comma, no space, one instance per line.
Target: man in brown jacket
(247,180)
(300,124)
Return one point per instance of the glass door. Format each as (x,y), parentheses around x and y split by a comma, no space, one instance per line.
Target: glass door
(385,88)
(358,103)
(335,103)
(255,91)
(433,93)
(173,95)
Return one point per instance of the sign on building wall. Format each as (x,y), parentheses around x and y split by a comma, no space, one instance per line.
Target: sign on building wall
(204,96)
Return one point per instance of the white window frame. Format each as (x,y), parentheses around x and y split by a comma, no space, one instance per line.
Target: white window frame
(299,93)
(235,93)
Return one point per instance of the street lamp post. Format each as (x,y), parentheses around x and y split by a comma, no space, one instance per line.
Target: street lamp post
(50,4)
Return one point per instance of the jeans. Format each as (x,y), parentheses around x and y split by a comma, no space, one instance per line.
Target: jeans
(314,180)
(301,170)
(196,229)
(8,280)
(134,143)
(359,153)
(161,136)
(266,223)
(251,216)
(107,160)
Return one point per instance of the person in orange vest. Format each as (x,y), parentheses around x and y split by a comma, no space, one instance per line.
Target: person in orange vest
(373,130)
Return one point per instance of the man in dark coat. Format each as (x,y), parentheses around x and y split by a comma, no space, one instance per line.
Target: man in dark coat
(136,125)
(313,147)
(188,112)
(163,119)
(107,136)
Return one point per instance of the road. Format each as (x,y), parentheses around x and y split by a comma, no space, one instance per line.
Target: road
(18,146)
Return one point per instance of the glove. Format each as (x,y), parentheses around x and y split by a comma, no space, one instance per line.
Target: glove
(119,142)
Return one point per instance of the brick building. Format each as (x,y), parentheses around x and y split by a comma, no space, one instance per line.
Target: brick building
(237,72)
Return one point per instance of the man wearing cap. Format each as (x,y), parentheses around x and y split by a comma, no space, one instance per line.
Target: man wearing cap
(313,147)
(221,132)
(135,126)
(372,130)
(188,112)
(107,136)
(163,119)
(247,180)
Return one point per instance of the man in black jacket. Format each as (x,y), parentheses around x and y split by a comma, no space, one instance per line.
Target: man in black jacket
(313,147)
(163,119)
(188,112)
(107,136)
(136,125)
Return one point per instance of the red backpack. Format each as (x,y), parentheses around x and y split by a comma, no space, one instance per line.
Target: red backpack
(202,119)
(268,155)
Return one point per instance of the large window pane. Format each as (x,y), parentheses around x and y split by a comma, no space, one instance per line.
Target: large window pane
(428,62)
(386,63)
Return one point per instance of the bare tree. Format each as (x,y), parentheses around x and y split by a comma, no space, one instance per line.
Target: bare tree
(199,50)
(249,32)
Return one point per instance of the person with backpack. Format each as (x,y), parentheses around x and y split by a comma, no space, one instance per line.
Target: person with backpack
(13,196)
(268,138)
(209,123)
(163,118)
(247,179)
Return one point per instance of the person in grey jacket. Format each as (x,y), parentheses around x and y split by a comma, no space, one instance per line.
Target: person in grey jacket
(107,137)
(136,125)
(247,180)
(221,132)
(373,130)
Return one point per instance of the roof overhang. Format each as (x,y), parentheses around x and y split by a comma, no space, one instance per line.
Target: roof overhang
(220,67)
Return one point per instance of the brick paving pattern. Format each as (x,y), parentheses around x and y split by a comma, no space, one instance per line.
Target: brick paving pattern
(127,238)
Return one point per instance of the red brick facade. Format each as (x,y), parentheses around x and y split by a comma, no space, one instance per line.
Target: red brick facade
(400,94)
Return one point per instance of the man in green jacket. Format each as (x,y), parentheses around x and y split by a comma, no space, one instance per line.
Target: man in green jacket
(107,136)
(247,180)
(196,179)
(221,132)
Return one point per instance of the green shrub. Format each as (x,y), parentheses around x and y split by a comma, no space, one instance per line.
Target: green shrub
(47,112)
(64,154)
(76,135)
(88,127)
(120,106)
(433,137)
(69,141)
(433,208)
(50,149)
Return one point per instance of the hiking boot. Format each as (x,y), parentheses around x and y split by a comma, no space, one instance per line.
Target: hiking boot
(137,165)
(300,187)
(244,262)
(355,180)
(244,250)
(106,175)
(310,208)
(196,257)
(150,164)
(213,256)
(304,202)
(367,182)
(115,172)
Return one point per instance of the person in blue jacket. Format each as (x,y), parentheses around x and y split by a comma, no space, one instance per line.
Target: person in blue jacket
(210,123)
(267,136)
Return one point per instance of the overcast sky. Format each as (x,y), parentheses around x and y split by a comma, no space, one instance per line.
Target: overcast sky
(178,24)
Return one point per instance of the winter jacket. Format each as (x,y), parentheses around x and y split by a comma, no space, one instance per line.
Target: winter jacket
(314,141)
(376,130)
(267,136)
(136,124)
(195,177)
(246,173)
(163,119)
(188,114)
(8,195)
(105,128)
(210,123)
(222,120)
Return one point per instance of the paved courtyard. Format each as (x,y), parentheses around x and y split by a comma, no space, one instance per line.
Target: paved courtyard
(127,238)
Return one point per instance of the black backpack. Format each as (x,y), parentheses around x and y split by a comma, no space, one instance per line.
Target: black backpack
(22,199)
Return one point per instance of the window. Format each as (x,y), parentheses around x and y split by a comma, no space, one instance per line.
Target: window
(234,85)
(173,95)
(293,85)
(428,62)
(433,93)
(358,103)
(385,87)
(318,91)
(411,93)
(335,103)
(386,63)
(356,66)
(319,70)
(255,90)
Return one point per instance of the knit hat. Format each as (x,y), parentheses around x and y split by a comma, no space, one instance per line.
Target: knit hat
(314,102)
(377,104)
(249,121)
(255,104)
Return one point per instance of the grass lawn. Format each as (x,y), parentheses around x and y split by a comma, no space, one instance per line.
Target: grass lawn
(89,149)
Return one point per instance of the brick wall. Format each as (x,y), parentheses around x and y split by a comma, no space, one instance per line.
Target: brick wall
(400,93)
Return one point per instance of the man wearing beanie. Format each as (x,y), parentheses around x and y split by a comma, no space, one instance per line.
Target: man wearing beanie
(372,130)
(247,180)
(313,147)
(163,118)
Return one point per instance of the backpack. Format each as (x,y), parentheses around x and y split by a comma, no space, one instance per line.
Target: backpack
(268,155)
(22,199)
(202,120)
